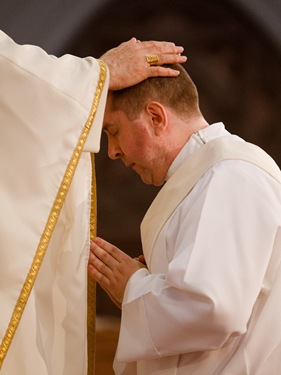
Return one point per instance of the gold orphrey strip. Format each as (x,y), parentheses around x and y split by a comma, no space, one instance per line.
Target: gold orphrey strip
(91,316)
(51,222)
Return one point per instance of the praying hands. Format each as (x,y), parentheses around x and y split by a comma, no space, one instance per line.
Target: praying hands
(111,268)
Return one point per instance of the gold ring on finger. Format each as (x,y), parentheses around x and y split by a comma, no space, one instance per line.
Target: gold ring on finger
(152,59)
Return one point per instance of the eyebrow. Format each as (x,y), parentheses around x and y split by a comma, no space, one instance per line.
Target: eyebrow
(106,127)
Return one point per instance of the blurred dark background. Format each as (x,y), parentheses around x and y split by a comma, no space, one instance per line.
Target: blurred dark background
(234,57)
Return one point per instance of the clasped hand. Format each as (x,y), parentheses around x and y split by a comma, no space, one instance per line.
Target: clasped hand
(111,268)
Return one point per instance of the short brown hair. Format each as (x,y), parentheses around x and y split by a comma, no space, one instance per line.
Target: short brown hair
(179,93)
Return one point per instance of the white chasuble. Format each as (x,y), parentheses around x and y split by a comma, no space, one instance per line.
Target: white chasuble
(51,112)
(212,242)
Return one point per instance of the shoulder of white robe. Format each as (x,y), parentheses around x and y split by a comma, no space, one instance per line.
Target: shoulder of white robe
(184,179)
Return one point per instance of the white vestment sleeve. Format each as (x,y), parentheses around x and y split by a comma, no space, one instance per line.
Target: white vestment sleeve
(45,103)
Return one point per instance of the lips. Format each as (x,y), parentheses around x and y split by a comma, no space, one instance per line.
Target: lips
(128,165)
(133,166)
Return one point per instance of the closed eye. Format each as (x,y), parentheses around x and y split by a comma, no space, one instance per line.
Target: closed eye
(110,131)
(113,133)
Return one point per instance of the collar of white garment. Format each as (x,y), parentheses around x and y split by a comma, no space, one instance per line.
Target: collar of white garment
(194,143)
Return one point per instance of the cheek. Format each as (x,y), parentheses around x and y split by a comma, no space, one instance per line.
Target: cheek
(144,152)
(137,146)
(140,146)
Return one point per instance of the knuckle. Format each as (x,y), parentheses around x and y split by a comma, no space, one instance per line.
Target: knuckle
(113,252)
(102,267)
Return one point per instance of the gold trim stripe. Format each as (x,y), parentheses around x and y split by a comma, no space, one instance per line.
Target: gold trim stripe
(91,291)
(51,222)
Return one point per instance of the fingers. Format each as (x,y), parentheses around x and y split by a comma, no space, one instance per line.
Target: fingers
(101,264)
(103,255)
(107,251)
(99,271)
(161,47)
(169,59)
(141,259)
(156,71)
(167,52)
(107,265)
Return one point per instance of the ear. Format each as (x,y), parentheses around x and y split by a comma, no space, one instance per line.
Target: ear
(158,116)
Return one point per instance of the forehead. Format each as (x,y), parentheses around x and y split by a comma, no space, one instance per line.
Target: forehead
(113,118)
(118,113)
(108,113)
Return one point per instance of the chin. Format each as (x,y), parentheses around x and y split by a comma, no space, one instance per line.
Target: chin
(151,181)
(146,179)
(158,183)
(147,182)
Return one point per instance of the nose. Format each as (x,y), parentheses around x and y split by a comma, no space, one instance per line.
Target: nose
(114,150)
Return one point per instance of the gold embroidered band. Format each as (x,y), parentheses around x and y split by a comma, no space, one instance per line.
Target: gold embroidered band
(91,292)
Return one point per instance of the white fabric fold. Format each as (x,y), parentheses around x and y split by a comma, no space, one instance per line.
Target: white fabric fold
(45,103)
